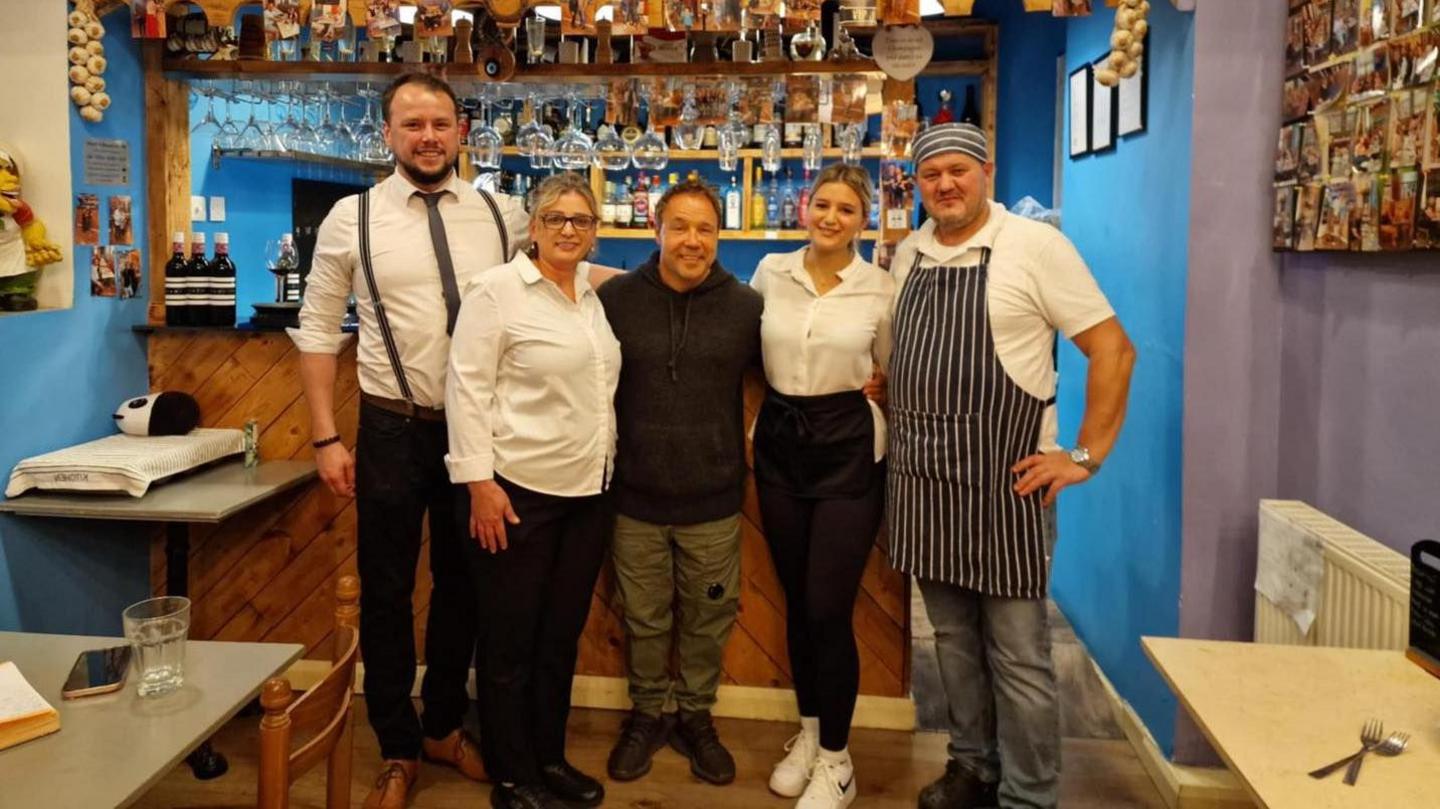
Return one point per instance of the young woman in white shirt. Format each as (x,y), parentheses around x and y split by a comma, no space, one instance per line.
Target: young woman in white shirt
(819,449)
(531,418)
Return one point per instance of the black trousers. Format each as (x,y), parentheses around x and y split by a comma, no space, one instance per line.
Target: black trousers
(533,597)
(819,546)
(400,478)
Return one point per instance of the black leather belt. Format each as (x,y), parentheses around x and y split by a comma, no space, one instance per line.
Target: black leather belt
(400,407)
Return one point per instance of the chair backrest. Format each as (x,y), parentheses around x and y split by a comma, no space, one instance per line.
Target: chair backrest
(321,716)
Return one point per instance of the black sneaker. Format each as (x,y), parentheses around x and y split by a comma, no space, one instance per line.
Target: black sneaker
(958,788)
(524,796)
(696,739)
(572,786)
(640,737)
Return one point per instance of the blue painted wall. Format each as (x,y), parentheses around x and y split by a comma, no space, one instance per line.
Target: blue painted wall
(66,371)
(1117,567)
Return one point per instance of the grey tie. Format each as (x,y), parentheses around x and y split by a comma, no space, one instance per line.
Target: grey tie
(442,257)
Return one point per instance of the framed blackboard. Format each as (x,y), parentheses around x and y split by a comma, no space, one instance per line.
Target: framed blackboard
(1425,605)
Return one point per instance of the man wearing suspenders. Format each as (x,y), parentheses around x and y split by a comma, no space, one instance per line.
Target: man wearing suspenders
(974,461)
(408,249)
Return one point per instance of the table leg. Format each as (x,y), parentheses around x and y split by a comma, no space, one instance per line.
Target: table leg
(204,762)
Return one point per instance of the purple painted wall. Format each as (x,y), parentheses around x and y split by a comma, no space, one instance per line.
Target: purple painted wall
(1360,391)
(1307,376)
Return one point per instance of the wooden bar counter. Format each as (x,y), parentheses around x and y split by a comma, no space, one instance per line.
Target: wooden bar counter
(271,578)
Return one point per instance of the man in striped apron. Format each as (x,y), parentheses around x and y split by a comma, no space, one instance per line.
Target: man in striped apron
(974,462)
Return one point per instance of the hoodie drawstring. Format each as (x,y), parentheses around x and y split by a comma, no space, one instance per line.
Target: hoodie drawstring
(676,346)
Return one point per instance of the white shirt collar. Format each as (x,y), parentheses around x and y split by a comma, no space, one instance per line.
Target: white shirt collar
(802,276)
(402,189)
(530,274)
(931,247)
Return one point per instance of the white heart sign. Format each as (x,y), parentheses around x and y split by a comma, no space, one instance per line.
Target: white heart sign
(902,51)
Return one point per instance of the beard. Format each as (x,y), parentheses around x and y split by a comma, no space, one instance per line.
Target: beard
(420,176)
(958,220)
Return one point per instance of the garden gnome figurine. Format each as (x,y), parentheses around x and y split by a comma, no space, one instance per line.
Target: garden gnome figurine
(24,250)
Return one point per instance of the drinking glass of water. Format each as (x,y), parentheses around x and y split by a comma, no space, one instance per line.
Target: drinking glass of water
(156,629)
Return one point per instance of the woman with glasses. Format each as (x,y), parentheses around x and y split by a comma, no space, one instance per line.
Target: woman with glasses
(819,445)
(531,419)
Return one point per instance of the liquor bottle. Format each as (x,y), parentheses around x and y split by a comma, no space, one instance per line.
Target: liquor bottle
(176,308)
(624,206)
(674,180)
(803,213)
(875,207)
(757,201)
(640,205)
(970,113)
(607,206)
(290,260)
(732,205)
(197,283)
(656,192)
(787,203)
(772,204)
(222,284)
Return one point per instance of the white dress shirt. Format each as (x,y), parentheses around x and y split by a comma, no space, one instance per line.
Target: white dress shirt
(815,344)
(407,276)
(1037,284)
(531,390)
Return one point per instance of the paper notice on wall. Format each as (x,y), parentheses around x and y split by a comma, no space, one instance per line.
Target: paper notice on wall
(1289,569)
(107,162)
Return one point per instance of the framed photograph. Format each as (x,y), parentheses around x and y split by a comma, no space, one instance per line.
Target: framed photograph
(1284,224)
(1307,216)
(1296,102)
(1317,33)
(1311,159)
(1374,21)
(1287,153)
(1427,222)
(1335,211)
(1080,106)
(1134,98)
(1344,26)
(1294,42)
(1397,209)
(1103,108)
(1367,214)
(1405,16)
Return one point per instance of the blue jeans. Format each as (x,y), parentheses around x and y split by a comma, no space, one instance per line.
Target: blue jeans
(994,656)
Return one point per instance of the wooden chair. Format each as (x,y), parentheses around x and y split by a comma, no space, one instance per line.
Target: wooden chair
(321,716)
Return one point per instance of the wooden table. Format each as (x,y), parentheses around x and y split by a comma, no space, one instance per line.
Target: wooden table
(112,748)
(208,496)
(1274,713)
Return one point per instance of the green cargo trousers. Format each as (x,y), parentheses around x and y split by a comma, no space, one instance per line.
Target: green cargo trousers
(656,565)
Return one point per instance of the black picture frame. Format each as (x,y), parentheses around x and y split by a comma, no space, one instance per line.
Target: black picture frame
(1133,104)
(1078,91)
(1104,110)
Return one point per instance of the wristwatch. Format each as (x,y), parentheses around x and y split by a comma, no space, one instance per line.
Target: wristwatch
(1081,457)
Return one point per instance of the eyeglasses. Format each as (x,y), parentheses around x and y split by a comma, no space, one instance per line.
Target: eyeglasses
(556,221)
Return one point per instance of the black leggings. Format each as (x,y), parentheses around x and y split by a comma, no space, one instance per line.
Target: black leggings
(819,547)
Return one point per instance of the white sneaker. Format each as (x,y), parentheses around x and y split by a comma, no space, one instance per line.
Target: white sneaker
(791,775)
(832,786)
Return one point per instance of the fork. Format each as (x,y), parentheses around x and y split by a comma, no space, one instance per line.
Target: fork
(1394,745)
(1370,736)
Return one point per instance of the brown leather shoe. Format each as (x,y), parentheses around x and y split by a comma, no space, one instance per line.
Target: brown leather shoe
(457,750)
(393,786)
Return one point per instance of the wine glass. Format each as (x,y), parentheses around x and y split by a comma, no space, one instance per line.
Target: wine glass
(612,153)
(689,134)
(727,149)
(573,149)
(276,266)
(810,147)
(650,152)
(850,138)
(534,135)
(770,154)
(484,141)
(209,121)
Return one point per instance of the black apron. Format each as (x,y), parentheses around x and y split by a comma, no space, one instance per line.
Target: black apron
(958,422)
(815,446)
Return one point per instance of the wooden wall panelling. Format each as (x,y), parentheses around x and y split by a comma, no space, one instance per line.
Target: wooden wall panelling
(268,575)
(167,157)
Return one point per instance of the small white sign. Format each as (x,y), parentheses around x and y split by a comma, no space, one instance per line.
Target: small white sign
(107,162)
(902,51)
(197,208)
(217,209)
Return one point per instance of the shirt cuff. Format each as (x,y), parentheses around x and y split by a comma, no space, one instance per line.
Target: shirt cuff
(473,468)
(309,342)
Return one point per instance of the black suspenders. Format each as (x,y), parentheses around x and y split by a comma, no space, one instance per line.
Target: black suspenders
(381,320)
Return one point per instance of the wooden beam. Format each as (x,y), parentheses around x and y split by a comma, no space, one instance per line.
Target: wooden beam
(167,156)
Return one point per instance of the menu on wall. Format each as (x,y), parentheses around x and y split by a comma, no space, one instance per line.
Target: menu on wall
(1425,605)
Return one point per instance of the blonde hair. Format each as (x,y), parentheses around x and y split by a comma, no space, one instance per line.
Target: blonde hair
(852,177)
(556,186)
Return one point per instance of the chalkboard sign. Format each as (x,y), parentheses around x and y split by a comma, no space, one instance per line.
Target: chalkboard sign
(1425,605)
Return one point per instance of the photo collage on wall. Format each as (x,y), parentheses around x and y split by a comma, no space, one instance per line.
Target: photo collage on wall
(1357,160)
(114,263)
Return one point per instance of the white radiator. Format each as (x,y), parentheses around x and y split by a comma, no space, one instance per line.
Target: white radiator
(1364,593)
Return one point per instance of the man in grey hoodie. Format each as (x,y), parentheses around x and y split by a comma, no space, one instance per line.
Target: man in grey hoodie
(688,330)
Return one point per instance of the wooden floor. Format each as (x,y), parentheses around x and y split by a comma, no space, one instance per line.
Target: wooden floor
(891,768)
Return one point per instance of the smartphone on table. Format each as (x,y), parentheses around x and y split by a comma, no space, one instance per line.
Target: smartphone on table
(97,671)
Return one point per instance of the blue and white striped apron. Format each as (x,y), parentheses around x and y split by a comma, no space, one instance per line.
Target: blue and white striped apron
(958,423)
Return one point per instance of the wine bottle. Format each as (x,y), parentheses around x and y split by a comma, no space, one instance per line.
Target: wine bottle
(176,311)
(222,284)
(970,113)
